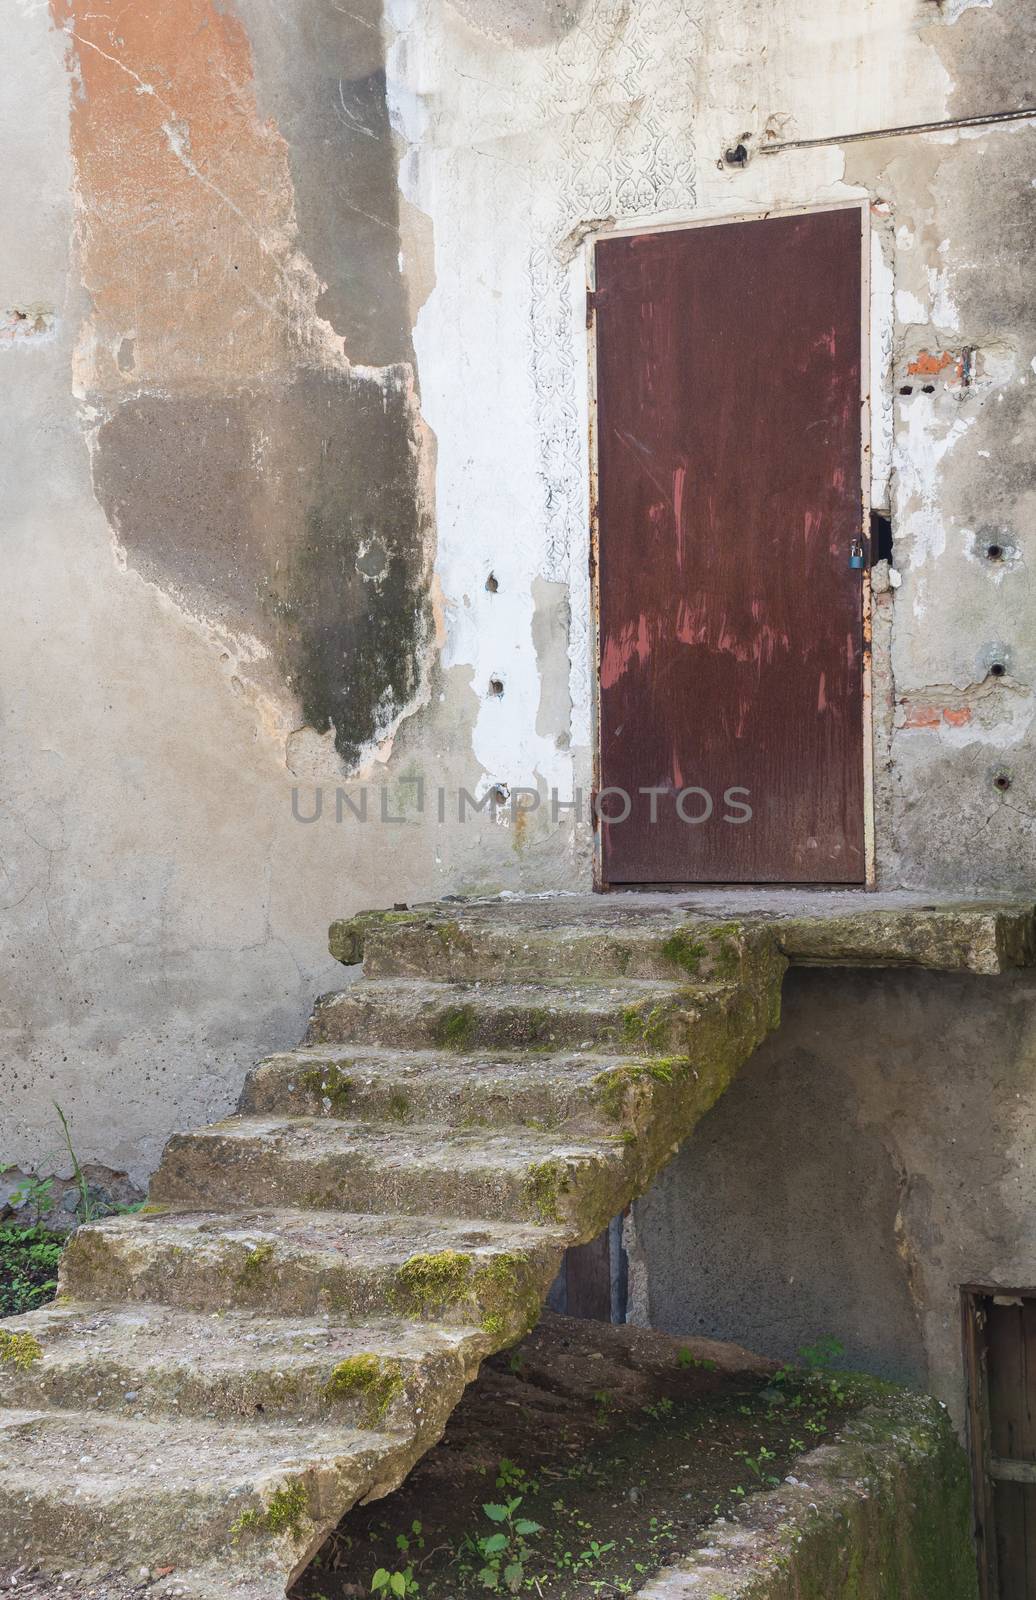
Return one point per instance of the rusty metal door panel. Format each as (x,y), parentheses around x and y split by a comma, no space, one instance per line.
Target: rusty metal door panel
(729,494)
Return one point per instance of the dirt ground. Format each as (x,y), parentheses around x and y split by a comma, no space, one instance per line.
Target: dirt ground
(600,1453)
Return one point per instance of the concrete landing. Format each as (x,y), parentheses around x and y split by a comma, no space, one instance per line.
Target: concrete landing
(812,927)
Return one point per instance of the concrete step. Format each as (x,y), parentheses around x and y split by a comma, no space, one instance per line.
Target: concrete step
(291,1263)
(628,1015)
(517,1174)
(488,942)
(167,1493)
(142,1362)
(557,1090)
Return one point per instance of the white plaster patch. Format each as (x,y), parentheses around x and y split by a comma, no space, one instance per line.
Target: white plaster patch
(882,410)
(955,9)
(520,150)
(909,308)
(944,309)
(923,440)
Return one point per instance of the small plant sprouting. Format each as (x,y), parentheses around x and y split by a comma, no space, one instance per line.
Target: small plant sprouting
(33,1191)
(85,1207)
(38,1193)
(505,1553)
(685,1359)
(757,1463)
(822,1354)
(603,1406)
(401,1582)
(509,1475)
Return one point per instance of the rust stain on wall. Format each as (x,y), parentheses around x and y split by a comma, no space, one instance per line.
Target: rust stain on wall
(272,489)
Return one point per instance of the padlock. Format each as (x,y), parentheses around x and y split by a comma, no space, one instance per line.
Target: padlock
(856,555)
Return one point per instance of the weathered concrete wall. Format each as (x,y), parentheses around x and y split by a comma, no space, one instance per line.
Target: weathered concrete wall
(291,301)
(876,1154)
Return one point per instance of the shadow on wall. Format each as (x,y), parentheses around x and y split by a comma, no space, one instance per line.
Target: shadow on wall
(849,1181)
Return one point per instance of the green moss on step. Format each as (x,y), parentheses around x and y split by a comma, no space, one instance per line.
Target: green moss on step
(347,937)
(455,1029)
(685,950)
(328,1082)
(255,1262)
(19,1350)
(510,1303)
(284,1513)
(537,1026)
(650,1027)
(544,1185)
(366,1377)
(614,1083)
(428,1283)
(152,1210)
(399,1106)
(726,952)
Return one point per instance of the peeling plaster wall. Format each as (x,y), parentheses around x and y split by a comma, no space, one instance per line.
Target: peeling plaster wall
(622,116)
(875,1155)
(292,304)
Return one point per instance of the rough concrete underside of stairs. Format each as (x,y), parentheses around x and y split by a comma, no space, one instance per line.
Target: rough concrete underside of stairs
(287,1326)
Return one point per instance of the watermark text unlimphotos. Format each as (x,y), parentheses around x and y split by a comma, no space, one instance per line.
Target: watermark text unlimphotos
(411,799)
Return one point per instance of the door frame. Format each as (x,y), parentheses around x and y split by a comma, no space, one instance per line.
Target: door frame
(973,1300)
(715,219)
(972,1297)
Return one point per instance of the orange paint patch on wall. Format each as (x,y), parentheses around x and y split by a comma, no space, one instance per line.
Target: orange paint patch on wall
(922,717)
(926,365)
(186,209)
(932,716)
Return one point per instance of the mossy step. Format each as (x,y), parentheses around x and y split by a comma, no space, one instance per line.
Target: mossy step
(167,1493)
(297,1263)
(619,1015)
(485,944)
(147,1361)
(517,1174)
(558,1090)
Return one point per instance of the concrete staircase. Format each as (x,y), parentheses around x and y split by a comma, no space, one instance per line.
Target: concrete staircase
(287,1326)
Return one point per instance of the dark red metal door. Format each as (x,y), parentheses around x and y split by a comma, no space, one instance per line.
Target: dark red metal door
(731,628)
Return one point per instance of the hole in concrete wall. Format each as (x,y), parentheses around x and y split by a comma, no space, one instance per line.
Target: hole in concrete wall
(496,687)
(881,536)
(928,388)
(491,583)
(499,794)
(1002,782)
(907,388)
(995,552)
(997,669)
